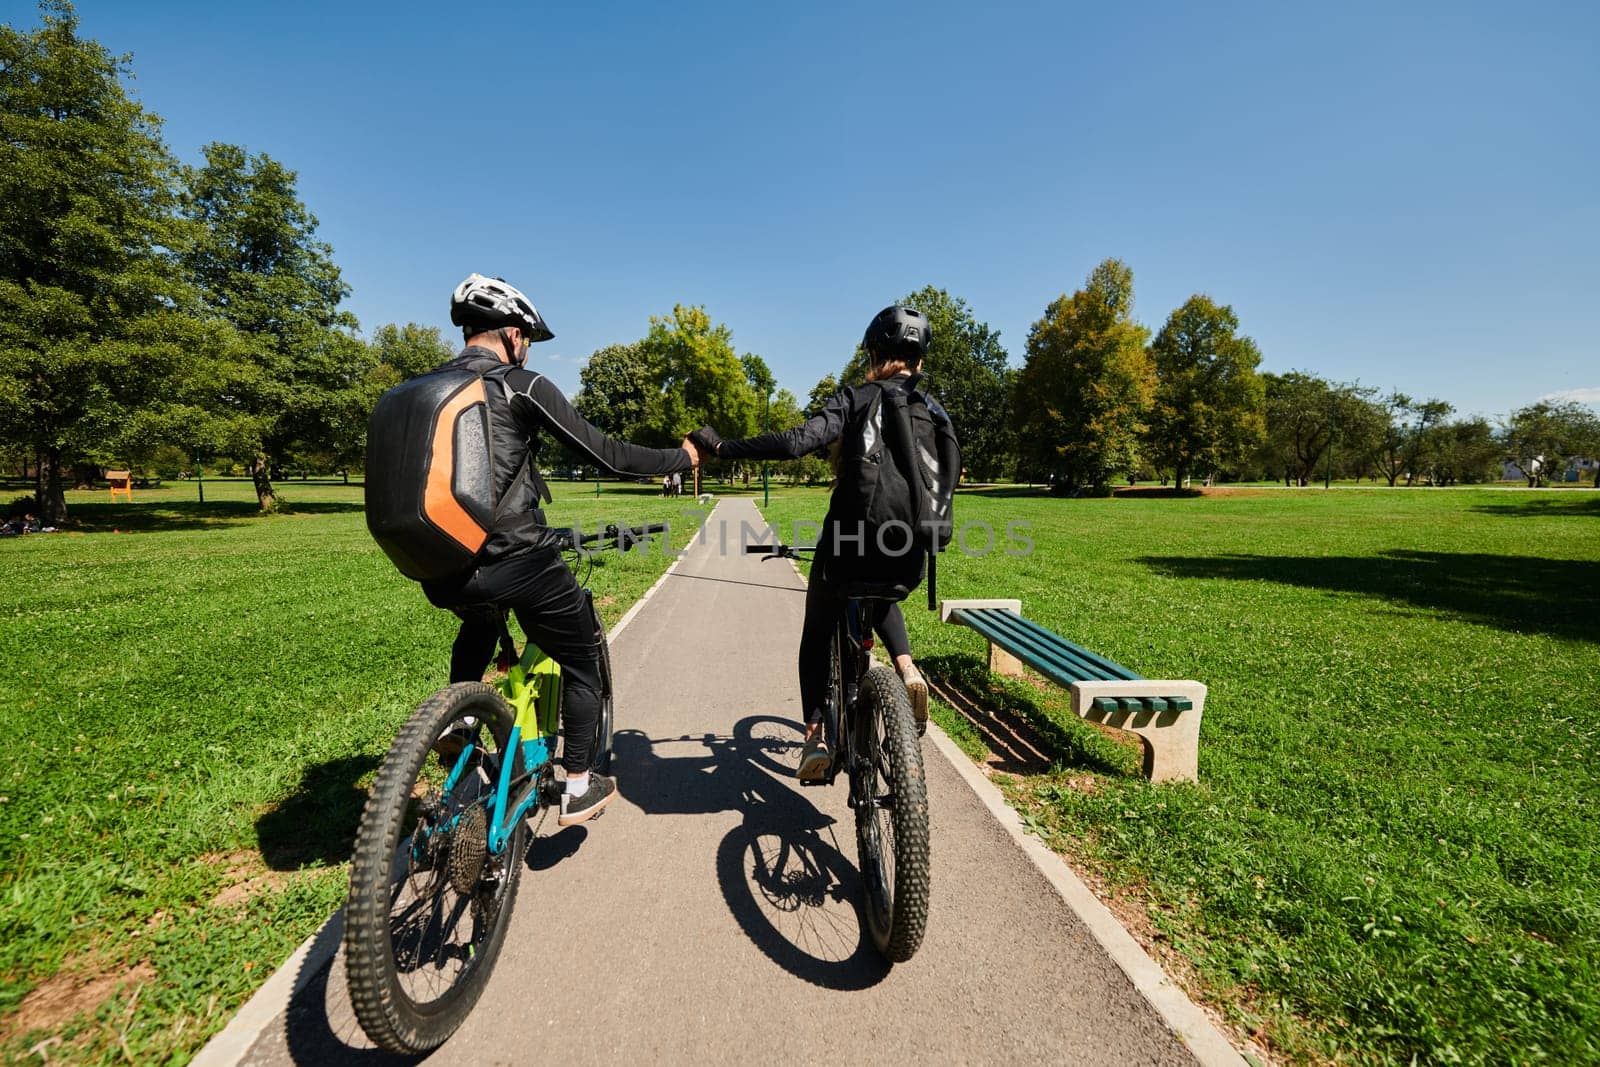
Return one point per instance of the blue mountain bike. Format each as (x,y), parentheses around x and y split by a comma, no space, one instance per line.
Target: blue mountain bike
(441,843)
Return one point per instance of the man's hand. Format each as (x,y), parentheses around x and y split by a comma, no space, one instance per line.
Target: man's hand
(694,453)
(708,439)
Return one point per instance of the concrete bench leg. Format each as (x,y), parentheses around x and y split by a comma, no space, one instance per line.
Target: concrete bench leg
(1003,662)
(1171,739)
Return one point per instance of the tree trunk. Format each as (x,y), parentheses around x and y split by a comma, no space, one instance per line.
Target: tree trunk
(261,474)
(1180,476)
(51,500)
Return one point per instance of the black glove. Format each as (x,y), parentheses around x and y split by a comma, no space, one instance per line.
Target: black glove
(707,440)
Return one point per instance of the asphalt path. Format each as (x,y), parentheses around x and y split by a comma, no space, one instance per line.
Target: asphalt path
(709,914)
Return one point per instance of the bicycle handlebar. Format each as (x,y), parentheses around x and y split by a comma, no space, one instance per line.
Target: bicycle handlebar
(777,551)
(624,537)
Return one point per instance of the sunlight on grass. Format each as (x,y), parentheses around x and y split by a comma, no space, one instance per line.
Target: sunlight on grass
(1391,851)
(193,711)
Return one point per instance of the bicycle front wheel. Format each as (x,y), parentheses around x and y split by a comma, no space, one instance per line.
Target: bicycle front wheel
(429,902)
(891,816)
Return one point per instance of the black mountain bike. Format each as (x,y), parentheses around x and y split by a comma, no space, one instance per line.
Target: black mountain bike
(872,737)
(440,847)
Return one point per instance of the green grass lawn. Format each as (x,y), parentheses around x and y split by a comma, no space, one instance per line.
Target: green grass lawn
(1393,853)
(193,708)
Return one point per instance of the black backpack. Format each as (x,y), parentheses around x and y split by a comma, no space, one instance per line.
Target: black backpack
(430,492)
(899,465)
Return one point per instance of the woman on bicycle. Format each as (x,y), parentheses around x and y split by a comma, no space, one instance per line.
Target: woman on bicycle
(895,342)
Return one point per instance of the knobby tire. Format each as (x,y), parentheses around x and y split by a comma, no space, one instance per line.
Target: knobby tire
(896,908)
(385,1009)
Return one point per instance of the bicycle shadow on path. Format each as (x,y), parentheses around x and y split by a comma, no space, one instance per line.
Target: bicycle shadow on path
(782,872)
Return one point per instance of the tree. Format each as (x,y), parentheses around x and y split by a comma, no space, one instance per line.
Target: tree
(1082,395)
(1305,413)
(1542,437)
(1465,452)
(698,379)
(817,399)
(260,267)
(93,318)
(410,350)
(1409,435)
(759,375)
(1209,408)
(615,390)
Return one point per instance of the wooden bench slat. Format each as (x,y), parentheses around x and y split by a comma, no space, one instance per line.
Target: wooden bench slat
(1002,626)
(1111,667)
(1062,661)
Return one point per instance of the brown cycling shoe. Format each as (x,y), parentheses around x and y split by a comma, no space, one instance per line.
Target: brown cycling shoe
(917,690)
(814,761)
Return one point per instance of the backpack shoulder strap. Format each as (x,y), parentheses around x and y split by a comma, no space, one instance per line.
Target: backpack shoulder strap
(530,469)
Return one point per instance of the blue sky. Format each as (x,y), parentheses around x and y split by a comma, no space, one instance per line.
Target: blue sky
(1404,196)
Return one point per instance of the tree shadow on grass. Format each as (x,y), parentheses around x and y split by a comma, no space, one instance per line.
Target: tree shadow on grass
(163,516)
(1004,492)
(1522,594)
(316,824)
(1554,507)
(1019,730)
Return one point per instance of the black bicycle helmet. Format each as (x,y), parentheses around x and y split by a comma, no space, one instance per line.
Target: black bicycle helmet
(897,332)
(481,303)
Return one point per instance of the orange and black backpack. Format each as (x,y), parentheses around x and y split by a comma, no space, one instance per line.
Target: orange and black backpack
(431,500)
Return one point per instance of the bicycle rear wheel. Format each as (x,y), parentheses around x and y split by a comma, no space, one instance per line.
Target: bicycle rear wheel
(891,815)
(429,903)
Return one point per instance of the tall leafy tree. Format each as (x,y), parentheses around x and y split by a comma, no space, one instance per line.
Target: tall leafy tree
(1082,396)
(1209,408)
(1305,414)
(1465,452)
(616,391)
(1409,435)
(700,380)
(92,303)
(259,265)
(410,350)
(817,399)
(1542,437)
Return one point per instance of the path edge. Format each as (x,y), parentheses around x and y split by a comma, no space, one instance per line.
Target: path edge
(1199,1034)
(230,1044)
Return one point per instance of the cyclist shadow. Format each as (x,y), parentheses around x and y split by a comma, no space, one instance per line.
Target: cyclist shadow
(781,872)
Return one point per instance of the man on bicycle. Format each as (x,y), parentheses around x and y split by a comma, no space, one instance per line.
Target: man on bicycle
(895,342)
(519,565)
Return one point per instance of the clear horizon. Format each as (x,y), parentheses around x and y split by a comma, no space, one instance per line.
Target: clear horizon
(1402,200)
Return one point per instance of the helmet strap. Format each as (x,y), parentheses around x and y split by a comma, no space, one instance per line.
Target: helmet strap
(511,348)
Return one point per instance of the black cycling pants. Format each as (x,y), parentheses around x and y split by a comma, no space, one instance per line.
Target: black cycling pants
(824,605)
(553,612)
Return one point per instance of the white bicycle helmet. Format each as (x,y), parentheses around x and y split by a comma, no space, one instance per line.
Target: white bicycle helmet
(481,303)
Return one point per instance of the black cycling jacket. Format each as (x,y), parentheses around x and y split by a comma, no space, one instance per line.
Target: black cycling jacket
(822,429)
(525,404)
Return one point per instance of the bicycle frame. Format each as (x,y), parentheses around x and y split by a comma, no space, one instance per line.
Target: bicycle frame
(533,689)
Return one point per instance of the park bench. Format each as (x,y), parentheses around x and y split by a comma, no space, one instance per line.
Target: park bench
(1164,715)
